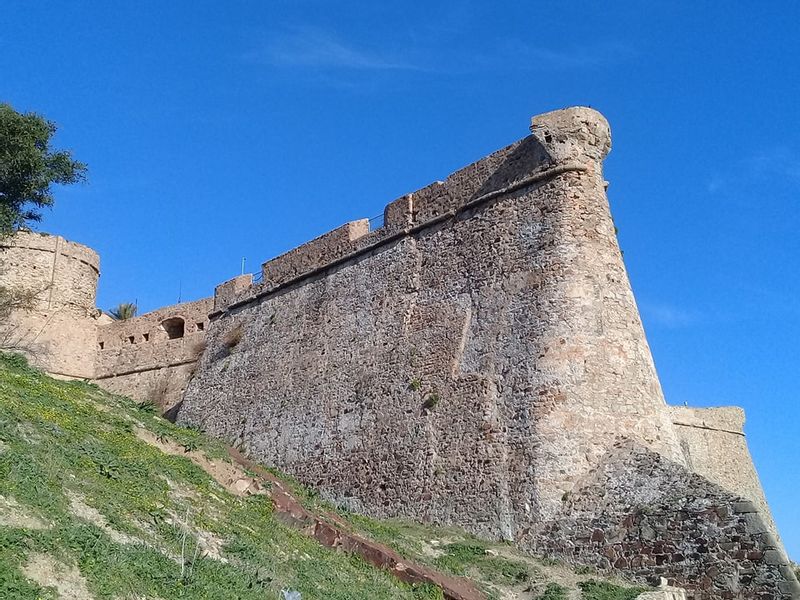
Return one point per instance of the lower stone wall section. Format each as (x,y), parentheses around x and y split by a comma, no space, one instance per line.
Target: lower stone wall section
(152,357)
(645,516)
(714,446)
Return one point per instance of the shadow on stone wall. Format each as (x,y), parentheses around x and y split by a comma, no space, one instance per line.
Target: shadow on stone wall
(645,516)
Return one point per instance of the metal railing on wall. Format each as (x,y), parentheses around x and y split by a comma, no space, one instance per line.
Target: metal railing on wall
(376,222)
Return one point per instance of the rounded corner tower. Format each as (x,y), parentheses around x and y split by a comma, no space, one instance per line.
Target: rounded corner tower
(55,322)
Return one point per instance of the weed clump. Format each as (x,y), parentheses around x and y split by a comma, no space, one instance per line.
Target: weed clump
(554,591)
(431,401)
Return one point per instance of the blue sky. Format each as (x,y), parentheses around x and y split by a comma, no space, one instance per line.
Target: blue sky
(216,131)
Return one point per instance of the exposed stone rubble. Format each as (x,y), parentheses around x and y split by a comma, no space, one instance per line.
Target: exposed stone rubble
(664,592)
(641,514)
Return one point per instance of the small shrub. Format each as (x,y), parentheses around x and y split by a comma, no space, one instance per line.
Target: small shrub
(232,338)
(190,445)
(553,591)
(462,557)
(504,570)
(14,360)
(415,384)
(148,406)
(427,591)
(431,401)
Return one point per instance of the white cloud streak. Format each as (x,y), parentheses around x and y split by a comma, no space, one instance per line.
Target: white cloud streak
(315,48)
(666,315)
(528,56)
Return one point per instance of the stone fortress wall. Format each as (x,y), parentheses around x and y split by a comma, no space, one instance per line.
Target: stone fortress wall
(478,360)
(503,301)
(149,357)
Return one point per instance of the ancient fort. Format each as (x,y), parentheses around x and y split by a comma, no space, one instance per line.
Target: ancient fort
(477,360)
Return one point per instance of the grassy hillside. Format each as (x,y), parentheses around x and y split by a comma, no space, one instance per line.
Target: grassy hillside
(101,498)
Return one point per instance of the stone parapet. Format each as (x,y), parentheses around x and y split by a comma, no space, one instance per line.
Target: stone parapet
(44,242)
(312,255)
(544,154)
(226,293)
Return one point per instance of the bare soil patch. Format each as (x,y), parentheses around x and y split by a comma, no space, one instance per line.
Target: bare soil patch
(66,579)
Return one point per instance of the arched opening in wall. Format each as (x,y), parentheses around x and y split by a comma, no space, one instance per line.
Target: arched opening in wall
(174,327)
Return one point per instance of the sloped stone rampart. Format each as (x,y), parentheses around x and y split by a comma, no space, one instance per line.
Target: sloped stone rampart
(714,446)
(466,363)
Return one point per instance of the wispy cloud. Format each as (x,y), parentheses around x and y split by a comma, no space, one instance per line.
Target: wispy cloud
(667,315)
(780,163)
(520,54)
(319,49)
(315,48)
(780,160)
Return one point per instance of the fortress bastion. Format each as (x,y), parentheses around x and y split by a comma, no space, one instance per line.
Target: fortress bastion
(478,360)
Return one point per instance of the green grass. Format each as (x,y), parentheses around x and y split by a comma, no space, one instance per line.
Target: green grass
(62,439)
(602,590)
(59,437)
(471,558)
